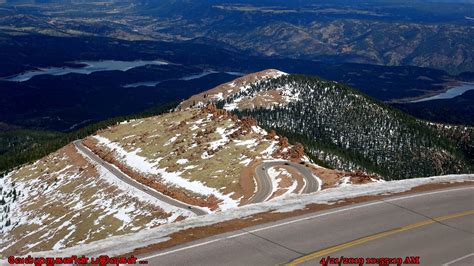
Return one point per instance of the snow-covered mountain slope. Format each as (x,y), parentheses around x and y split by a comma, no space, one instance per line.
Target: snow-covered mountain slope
(64,199)
(343,128)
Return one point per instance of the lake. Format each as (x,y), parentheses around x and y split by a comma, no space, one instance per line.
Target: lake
(185,78)
(450,93)
(85,68)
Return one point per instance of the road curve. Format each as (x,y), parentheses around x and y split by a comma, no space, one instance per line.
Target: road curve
(130,181)
(264,182)
(437,226)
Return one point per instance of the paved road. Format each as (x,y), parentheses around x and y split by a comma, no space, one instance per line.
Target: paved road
(264,182)
(125,178)
(395,227)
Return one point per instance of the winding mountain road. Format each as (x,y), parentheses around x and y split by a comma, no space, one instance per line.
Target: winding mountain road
(130,181)
(264,182)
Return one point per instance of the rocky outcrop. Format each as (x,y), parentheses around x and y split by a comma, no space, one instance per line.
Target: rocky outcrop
(271,135)
(283,142)
(296,152)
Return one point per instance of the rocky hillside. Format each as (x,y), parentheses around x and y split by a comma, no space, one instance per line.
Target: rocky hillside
(344,128)
(204,157)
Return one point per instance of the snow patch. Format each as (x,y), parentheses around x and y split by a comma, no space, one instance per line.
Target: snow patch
(344,181)
(172,140)
(268,152)
(182,161)
(246,162)
(250,143)
(275,176)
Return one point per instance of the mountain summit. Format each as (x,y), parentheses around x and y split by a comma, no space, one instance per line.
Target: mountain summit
(339,126)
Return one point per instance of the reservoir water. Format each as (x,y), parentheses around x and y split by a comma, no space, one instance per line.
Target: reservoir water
(185,78)
(86,67)
(450,93)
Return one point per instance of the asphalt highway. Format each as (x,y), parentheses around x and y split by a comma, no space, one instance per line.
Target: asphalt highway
(435,226)
(264,182)
(130,181)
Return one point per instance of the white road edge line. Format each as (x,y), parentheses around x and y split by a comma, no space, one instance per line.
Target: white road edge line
(256,188)
(458,259)
(270,183)
(304,186)
(320,182)
(304,219)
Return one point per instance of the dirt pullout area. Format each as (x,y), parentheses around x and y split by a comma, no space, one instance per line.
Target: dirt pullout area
(179,194)
(229,226)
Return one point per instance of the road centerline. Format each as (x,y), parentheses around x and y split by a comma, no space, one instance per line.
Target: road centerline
(426,216)
(297,220)
(359,241)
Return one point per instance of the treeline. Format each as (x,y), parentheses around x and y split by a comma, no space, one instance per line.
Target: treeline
(348,130)
(41,143)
